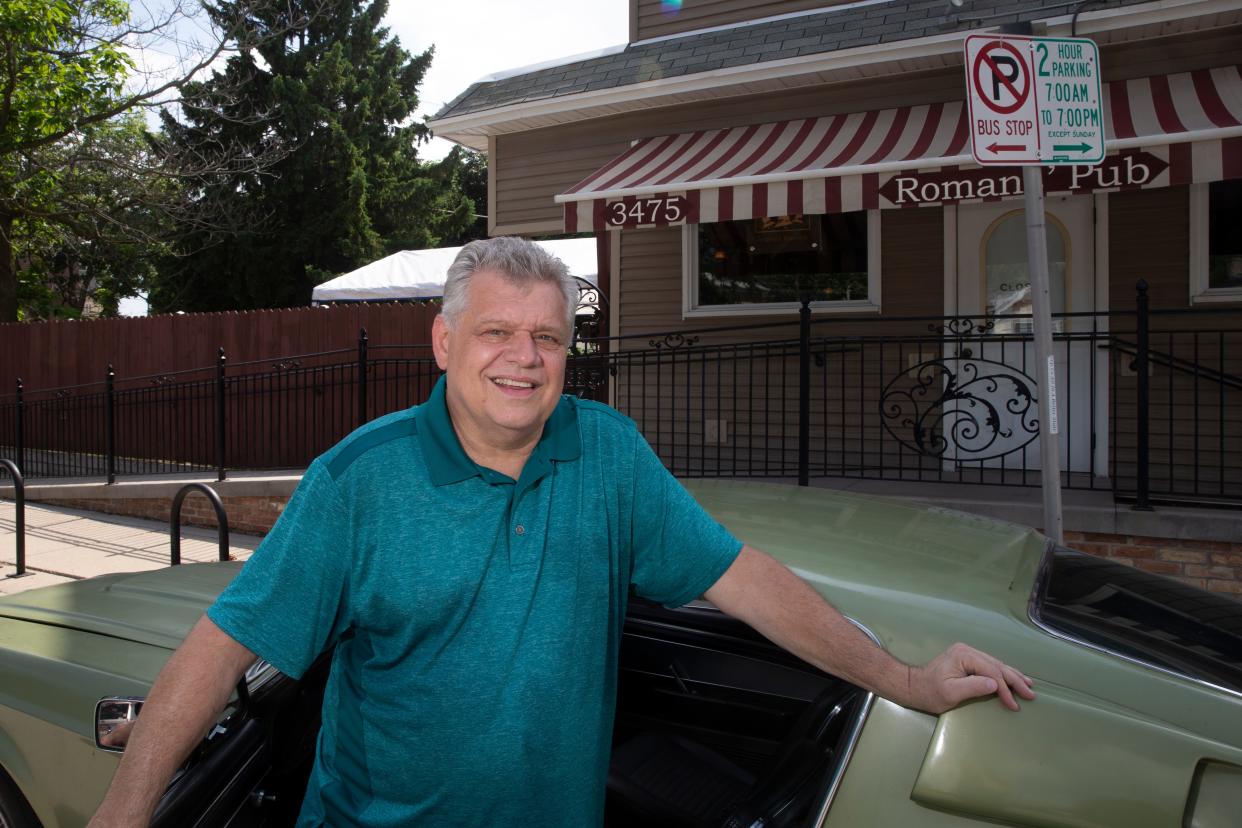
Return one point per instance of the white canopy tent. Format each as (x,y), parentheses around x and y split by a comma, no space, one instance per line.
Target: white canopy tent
(420,274)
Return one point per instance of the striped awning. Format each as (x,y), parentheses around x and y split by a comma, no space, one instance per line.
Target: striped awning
(838,163)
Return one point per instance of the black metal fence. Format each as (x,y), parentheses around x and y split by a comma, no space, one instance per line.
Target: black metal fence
(1149,403)
(271,414)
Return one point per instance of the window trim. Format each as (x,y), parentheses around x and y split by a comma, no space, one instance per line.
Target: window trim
(1200,290)
(690,308)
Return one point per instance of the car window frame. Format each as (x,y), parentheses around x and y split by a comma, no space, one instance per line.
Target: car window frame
(1035,602)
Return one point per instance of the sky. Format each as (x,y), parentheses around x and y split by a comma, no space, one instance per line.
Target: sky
(474,38)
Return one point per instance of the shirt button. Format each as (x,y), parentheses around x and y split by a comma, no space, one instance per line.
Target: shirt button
(521,530)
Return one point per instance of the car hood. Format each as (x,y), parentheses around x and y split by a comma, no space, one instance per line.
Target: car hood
(156,608)
(894,547)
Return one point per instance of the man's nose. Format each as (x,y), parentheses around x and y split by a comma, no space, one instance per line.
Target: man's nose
(523,350)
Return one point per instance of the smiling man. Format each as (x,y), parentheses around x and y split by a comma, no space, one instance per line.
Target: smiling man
(468,562)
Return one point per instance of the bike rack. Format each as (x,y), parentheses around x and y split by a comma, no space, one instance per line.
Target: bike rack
(174,524)
(19,497)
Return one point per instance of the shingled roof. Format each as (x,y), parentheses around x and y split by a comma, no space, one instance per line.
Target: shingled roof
(858,24)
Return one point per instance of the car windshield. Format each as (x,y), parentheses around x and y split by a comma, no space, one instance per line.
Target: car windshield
(1155,620)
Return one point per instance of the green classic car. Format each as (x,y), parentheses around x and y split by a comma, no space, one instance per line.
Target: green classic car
(1138,721)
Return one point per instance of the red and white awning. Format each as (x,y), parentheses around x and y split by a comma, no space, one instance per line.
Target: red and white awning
(840,163)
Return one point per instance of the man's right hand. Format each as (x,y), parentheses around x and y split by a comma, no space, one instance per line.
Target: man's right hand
(185,701)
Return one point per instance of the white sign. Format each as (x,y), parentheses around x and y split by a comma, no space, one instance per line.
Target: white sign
(1034,100)
(1052,396)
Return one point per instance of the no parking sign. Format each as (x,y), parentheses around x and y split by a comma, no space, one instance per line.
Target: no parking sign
(1034,100)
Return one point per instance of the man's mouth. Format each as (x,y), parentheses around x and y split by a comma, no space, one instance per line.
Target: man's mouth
(509,382)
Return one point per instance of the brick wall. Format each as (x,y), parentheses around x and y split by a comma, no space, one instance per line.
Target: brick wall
(1212,565)
(247,515)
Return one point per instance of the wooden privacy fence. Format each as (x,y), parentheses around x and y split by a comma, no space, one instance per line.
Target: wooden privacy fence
(257,414)
(77,352)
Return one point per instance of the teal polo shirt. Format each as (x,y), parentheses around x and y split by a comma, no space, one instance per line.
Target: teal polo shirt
(475,619)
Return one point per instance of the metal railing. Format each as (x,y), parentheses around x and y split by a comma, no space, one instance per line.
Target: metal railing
(174,522)
(1149,403)
(19,515)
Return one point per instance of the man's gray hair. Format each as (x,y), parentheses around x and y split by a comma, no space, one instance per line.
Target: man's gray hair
(521,261)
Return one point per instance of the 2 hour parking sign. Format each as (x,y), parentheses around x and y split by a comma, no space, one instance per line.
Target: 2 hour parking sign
(1034,100)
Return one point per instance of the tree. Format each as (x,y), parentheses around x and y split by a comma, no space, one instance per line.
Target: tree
(470,175)
(98,227)
(73,168)
(341,95)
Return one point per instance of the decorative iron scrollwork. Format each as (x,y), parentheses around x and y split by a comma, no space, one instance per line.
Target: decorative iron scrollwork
(964,326)
(585,375)
(961,409)
(163,379)
(286,364)
(588,315)
(673,341)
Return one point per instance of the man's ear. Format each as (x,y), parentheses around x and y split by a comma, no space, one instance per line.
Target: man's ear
(439,341)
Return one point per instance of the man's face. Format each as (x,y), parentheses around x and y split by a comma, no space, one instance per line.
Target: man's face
(504,358)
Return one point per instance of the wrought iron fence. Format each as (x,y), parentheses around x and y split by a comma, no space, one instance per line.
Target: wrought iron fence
(945,400)
(269,414)
(1149,403)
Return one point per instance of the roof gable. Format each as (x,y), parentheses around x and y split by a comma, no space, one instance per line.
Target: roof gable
(756,42)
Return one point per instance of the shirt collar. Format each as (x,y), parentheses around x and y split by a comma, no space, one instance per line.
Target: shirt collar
(447,461)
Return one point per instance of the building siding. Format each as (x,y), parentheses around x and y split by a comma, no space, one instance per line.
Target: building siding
(531,168)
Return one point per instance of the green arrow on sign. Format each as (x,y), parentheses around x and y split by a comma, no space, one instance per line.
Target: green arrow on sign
(1071,147)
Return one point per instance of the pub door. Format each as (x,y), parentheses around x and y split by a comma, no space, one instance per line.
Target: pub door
(992,283)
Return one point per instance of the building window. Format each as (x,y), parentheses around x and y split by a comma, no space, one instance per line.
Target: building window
(1216,242)
(763,265)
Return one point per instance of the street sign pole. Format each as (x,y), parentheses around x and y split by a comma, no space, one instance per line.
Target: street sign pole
(1037,101)
(1045,361)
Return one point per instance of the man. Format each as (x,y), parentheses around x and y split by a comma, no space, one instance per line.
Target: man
(470,560)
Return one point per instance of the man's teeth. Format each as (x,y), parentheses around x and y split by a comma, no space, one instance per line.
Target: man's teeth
(512,383)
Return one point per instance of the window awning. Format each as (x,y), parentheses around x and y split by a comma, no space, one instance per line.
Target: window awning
(1190,124)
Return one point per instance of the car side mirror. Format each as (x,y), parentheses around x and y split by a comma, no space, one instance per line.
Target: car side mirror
(114,720)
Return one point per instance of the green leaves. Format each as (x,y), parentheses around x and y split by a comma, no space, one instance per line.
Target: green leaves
(339,94)
(61,63)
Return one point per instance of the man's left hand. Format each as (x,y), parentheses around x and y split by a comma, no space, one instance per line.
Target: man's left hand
(961,673)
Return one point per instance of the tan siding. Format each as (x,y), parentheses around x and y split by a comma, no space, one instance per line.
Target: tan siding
(1161,219)
(650,297)
(652,20)
(911,255)
(531,168)
(912,262)
(1192,414)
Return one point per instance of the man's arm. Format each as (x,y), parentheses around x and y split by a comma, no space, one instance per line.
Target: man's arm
(184,703)
(762,592)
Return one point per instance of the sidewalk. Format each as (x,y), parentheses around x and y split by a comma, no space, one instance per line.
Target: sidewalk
(71,544)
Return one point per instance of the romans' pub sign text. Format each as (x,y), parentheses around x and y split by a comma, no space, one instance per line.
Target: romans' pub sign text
(1131,169)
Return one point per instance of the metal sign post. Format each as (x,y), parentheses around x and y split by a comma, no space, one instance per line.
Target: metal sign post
(1045,361)
(1036,101)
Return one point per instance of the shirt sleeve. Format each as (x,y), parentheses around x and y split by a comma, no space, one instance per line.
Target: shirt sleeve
(679,551)
(289,602)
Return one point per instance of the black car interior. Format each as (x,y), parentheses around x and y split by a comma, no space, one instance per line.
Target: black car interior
(718,728)
(715,728)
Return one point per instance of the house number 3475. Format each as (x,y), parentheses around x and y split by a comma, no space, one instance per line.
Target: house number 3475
(655,210)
